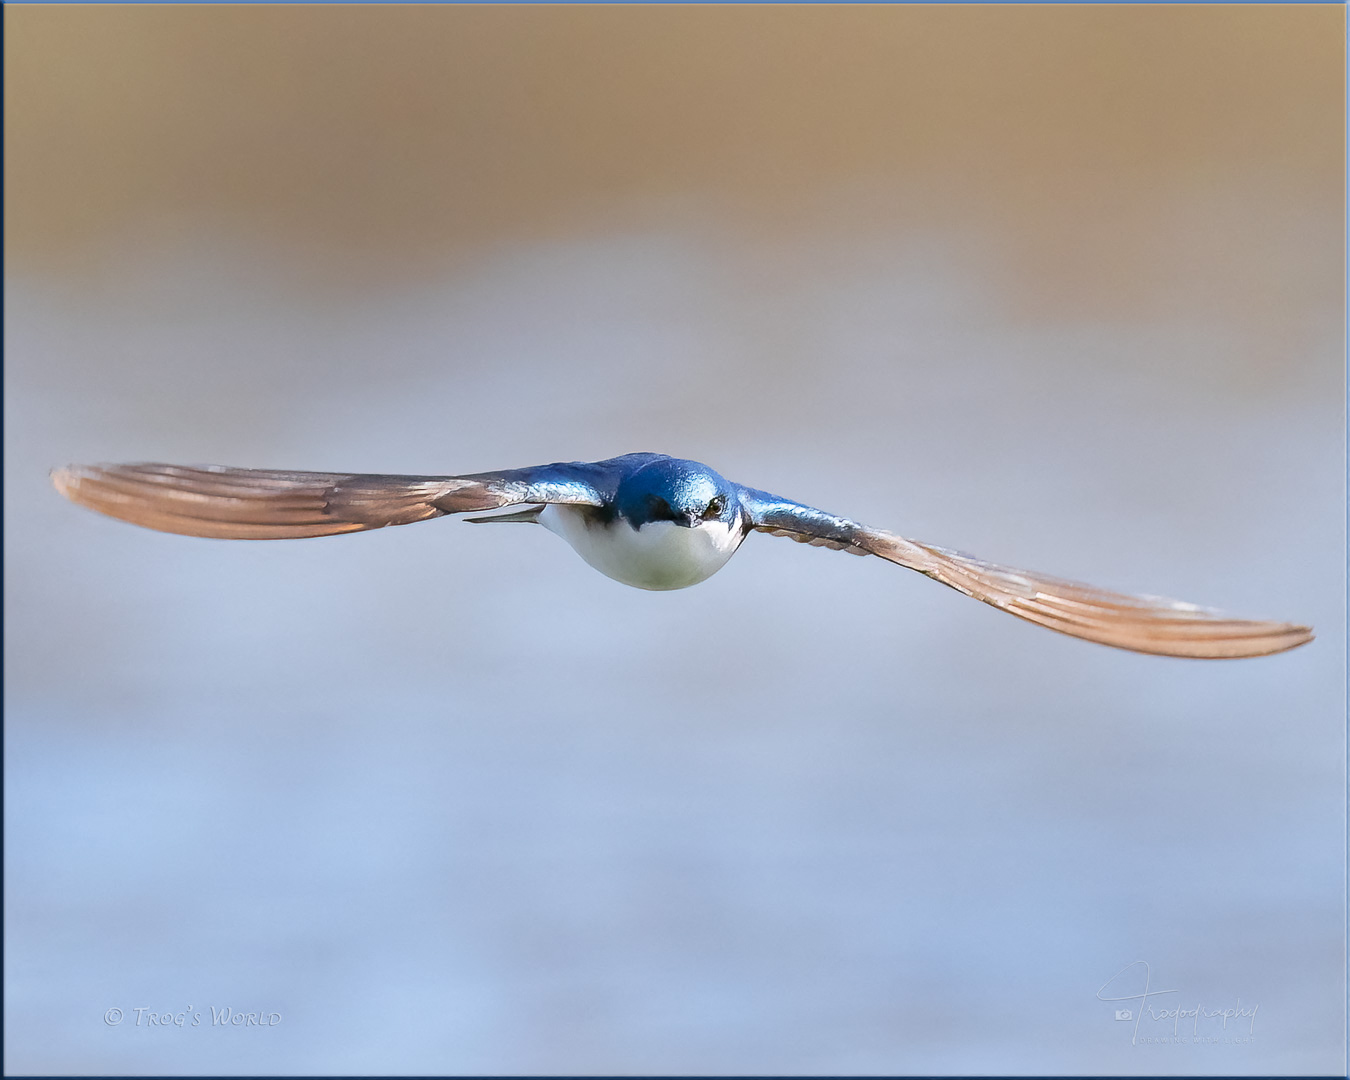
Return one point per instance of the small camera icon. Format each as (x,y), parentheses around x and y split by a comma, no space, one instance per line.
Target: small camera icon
(1124,1014)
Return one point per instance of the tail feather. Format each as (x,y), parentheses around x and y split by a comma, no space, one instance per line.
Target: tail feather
(530,514)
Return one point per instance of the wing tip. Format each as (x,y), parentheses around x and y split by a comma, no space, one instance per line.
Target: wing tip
(1263,639)
(1298,635)
(66,479)
(84,485)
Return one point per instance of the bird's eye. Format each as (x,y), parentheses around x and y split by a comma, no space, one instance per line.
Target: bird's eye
(714,507)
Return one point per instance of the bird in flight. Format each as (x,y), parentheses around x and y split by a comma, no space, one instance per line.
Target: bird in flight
(647,520)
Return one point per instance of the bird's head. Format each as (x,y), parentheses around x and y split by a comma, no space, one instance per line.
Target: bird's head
(684,492)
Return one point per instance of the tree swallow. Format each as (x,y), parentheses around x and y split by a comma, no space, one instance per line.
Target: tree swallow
(647,520)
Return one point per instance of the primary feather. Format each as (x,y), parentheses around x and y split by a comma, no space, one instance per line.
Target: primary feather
(1147,624)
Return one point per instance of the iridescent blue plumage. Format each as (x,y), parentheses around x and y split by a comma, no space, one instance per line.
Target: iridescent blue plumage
(673,489)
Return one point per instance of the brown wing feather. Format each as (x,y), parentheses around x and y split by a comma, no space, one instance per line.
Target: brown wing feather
(1147,624)
(265,504)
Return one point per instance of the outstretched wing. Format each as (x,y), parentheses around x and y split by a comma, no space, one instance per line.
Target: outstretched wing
(266,504)
(1147,624)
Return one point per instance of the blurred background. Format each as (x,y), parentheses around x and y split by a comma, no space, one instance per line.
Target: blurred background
(1059,286)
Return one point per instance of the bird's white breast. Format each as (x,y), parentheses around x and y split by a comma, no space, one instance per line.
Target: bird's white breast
(660,555)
